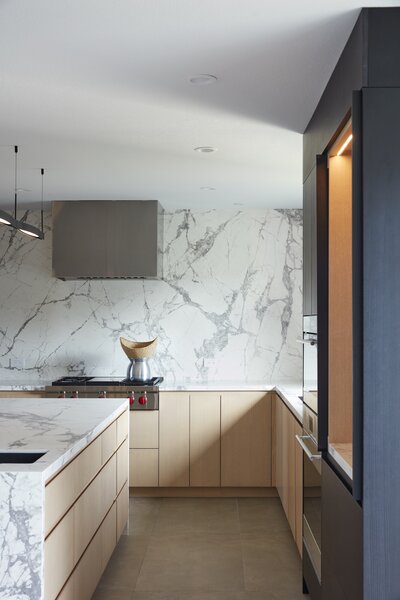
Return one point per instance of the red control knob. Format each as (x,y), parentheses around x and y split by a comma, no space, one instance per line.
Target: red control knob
(131,398)
(143,400)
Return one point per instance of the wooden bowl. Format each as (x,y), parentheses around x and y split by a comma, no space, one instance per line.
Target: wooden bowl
(138,349)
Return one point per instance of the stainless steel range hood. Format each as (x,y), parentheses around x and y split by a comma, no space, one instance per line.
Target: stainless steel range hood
(107,239)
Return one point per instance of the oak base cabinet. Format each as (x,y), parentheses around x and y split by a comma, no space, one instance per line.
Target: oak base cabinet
(289,467)
(174,439)
(246,439)
(205,439)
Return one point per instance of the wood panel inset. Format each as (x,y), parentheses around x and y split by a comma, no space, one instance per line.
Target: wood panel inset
(340,325)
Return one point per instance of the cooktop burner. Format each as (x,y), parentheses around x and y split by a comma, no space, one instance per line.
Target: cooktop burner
(104,381)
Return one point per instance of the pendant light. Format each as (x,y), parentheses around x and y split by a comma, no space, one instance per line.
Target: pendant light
(7,219)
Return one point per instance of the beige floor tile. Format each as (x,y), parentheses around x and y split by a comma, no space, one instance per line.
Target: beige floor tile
(197,515)
(142,515)
(123,569)
(258,515)
(271,563)
(192,562)
(103,593)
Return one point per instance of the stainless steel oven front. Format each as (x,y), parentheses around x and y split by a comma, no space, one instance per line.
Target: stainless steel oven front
(311,489)
(310,362)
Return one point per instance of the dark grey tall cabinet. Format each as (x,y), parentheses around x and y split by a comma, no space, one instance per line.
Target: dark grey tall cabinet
(360,440)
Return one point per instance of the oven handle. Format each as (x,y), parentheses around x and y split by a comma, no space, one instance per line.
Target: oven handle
(310,455)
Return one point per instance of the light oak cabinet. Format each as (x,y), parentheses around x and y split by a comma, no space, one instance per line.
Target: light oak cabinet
(143,453)
(246,439)
(289,467)
(143,467)
(174,439)
(86,509)
(205,439)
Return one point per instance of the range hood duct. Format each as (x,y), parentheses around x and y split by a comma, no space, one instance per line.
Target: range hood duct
(107,239)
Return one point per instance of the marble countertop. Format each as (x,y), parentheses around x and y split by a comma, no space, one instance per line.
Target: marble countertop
(16,385)
(59,427)
(289,391)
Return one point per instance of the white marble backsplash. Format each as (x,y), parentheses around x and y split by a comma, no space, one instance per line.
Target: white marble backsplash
(229,306)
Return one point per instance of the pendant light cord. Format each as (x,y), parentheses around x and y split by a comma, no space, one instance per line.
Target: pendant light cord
(15,182)
(41,205)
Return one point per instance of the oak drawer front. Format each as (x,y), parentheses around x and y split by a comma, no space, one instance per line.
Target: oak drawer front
(59,496)
(143,467)
(87,465)
(122,510)
(63,490)
(122,465)
(58,556)
(89,569)
(93,505)
(122,427)
(84,579)
(108,442)
(68,591)
(143,429)
(108,535)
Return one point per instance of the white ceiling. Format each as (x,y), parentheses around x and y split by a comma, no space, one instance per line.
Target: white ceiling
(97,92)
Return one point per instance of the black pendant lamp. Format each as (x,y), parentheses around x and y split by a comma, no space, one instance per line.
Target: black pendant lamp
(12,221)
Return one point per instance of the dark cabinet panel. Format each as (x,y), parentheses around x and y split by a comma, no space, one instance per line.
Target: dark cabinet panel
(342,545)
(310,245)
(381,373)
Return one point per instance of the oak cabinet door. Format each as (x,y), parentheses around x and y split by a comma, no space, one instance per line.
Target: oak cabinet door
(205,439)
(246,439)
(143,429)
(174,439)
(143,467)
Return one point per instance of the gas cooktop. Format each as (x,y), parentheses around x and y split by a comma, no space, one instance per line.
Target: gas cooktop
(105,381)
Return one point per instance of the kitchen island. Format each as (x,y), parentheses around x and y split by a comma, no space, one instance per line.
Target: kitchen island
(70,504)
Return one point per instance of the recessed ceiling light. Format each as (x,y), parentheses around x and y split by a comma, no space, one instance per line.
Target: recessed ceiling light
(205,149)
(238,204)
(203,79)
(207,188)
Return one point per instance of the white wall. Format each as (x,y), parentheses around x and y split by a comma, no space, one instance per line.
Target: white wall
(229,307)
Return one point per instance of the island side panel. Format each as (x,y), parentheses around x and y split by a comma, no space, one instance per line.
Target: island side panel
(21,542)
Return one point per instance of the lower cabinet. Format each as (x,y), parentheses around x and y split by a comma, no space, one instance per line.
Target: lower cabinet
(174,439)
(246,438)
(84,523)
(143,452)
(205,435)
(289,467)
(143,467)
(203,439)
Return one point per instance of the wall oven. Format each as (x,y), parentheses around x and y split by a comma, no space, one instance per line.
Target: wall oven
(311,490)
(312,513)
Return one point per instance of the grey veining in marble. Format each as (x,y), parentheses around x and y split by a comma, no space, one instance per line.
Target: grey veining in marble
(21,501)
(229,306)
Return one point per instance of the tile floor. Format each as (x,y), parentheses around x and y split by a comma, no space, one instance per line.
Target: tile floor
(204,549)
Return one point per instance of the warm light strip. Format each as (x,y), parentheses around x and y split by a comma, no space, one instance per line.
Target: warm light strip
(5,222)
(347,142)
(29,233)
